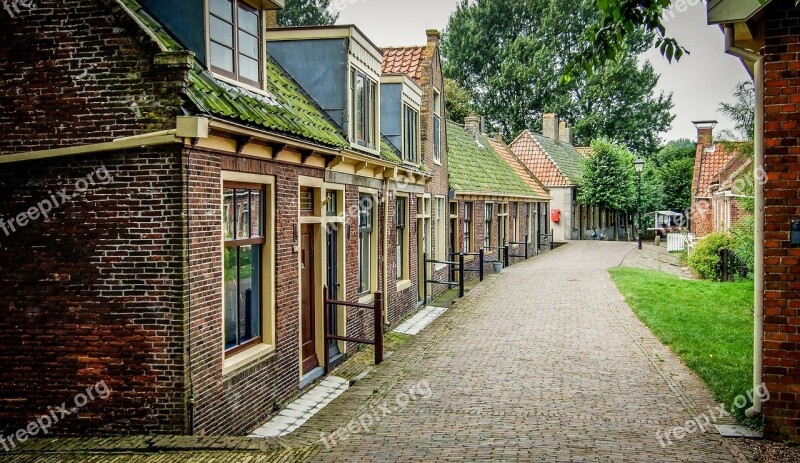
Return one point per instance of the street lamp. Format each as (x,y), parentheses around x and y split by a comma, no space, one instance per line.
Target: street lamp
(639,165)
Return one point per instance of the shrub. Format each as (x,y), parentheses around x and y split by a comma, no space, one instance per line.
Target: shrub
(744,242)
(704,259)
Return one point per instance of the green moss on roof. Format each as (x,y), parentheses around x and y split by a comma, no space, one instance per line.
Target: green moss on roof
(565,156)
(284,108)
(475,167)
(389,153)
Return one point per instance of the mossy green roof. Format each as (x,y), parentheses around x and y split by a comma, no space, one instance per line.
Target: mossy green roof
(284,108)
(474,167)
(565,156)
(390,153)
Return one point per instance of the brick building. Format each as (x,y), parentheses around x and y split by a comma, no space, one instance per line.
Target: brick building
(423,66)
(553,159)
(765,38)
(497,201)
(716,188)
(210,196)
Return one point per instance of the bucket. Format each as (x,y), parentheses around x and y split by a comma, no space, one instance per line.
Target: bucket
(498,267)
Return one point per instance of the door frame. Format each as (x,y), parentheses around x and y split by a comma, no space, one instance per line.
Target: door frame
(321,222)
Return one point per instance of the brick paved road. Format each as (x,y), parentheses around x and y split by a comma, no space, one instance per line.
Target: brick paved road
(546,364)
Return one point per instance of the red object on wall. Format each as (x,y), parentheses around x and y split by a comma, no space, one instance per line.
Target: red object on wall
(555,216)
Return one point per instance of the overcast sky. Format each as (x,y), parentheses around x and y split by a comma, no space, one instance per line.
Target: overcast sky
(699,82)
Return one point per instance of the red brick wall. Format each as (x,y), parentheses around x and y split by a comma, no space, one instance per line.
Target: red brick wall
(94,293)
(80,72)
(782,193)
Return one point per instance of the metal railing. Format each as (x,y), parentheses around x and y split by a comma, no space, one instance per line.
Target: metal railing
(549,240)
(479,270)
(376,306)
(517,256)
(449,284)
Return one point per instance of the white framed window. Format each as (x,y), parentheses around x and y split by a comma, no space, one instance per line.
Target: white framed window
(411,134)
(366,245)
(364,97)
(467,231)
(440,224)
(488,221)
(437,126)
(502,224)
(235,40)
(402,237)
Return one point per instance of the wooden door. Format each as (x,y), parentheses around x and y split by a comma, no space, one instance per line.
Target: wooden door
(308,291)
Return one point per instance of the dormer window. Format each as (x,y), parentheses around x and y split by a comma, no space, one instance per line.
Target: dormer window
(364,94)
(235,40)
(411,134)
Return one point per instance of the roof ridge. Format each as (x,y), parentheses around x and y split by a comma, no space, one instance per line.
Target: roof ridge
(553,161)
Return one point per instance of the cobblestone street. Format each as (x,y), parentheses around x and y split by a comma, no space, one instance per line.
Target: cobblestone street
(543,363)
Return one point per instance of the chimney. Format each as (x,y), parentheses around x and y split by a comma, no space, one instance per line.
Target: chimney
(272,19)
(473,125)
(705,132)
(565,133)
(550,127)
(434,37)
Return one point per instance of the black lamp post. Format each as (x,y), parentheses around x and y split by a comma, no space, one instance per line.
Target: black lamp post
(639,165)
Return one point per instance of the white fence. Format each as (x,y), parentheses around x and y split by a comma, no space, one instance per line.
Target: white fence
(678,241)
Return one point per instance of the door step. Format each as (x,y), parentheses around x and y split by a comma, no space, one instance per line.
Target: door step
(422,319)
(302,409)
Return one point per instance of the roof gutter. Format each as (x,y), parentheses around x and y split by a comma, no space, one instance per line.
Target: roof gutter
(503,195)
(185,127)
(756,60)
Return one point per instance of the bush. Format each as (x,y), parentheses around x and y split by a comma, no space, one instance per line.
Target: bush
(744,242)
(704,259)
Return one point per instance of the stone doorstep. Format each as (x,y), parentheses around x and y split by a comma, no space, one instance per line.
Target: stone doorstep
(737,431)
(420,321)
(301,410)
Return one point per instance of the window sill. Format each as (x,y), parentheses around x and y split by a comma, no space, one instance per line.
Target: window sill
(438,267)
(438,163)
(240,84)
(243,359)
(403,285)
(469,258)
(366,299)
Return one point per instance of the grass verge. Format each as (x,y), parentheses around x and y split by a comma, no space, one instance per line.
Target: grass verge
(708,324)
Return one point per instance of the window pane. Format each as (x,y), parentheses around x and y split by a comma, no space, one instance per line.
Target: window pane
(248,68)
(221,57)
(249,293)
(256,214)
(242,214)
(222,8)
(248,45)
(228,213)
(221,32)
(365,256)
(248,20)
(231,298)
(359,107)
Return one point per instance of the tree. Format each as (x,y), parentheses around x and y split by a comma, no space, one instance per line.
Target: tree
(510,54)
(608,178)
(676,178)
(674,151)
(306,13)
(458,101)
(619,19)
(743,110)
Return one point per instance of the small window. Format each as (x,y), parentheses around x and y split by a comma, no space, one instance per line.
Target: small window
(411,135)
(488,218)
(235,40)
(365,236)
(364,93)
(243,227)
(400,237)
(440,228)
(437,126)
(467,233)
(332,203)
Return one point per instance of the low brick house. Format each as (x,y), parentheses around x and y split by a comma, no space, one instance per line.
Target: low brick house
(436,212)
(206,199)
(715,206)
(765,36)
(498,202)
(553,159)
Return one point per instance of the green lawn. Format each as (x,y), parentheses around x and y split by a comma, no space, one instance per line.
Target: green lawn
(709,324)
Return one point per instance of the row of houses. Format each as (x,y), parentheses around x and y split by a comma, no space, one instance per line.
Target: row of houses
(180,184)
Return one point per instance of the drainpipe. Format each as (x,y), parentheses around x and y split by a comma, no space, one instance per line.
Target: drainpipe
(758,319)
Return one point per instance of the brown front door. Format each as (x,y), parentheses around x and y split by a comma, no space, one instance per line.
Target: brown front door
(308,290)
